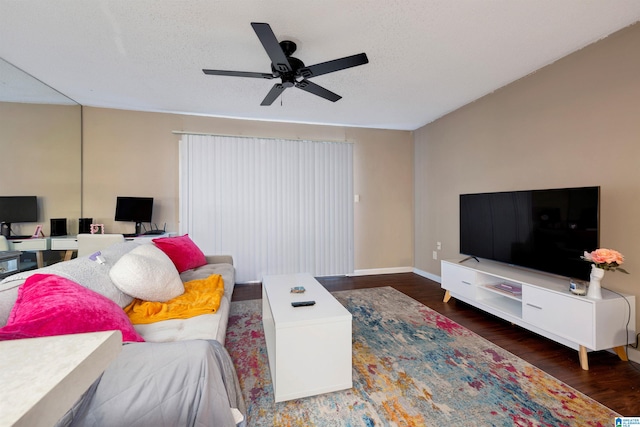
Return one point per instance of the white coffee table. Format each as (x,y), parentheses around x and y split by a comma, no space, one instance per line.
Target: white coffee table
(309,348)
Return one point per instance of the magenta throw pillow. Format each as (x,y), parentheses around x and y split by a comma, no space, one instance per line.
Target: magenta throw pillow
(50,305)
(183,252)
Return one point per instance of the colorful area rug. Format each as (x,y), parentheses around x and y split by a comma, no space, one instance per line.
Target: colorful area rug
(411,367)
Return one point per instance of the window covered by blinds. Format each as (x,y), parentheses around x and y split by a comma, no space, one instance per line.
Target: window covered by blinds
(277,206)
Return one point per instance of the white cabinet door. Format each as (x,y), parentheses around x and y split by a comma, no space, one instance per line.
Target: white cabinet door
(458,280)
(565,316)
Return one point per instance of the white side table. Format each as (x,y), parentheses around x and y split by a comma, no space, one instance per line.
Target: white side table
(43,377)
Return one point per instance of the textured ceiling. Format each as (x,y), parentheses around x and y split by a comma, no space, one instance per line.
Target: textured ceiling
(426,57)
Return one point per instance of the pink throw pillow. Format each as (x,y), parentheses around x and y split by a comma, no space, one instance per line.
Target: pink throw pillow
(50,305)
(183,252)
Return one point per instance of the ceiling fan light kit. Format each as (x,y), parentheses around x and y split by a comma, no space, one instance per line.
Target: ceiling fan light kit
(291,71)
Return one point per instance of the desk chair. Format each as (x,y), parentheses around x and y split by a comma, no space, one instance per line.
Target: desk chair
(92,243)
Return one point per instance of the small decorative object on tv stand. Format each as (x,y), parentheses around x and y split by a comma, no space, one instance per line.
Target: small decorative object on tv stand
(578,287)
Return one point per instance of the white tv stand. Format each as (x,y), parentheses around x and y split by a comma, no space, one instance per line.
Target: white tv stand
(545,306)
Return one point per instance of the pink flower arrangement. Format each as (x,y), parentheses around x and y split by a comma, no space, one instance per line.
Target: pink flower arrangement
(606,259)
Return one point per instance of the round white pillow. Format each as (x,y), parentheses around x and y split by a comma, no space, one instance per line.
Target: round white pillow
(147,273)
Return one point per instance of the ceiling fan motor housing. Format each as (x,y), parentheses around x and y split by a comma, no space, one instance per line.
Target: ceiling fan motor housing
(289,76)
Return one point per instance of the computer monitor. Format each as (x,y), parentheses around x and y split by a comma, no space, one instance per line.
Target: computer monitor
(17,209)
(134,209)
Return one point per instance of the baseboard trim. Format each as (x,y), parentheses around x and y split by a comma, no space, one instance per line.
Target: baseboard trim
(372,271)
(427,275)
(392,270)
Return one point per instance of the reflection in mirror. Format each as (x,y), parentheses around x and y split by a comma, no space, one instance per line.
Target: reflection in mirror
(40,148)
(18,86)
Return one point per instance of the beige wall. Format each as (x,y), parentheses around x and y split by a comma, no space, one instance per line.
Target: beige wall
(383,169)
(573,123)
(40,156)
(136,154)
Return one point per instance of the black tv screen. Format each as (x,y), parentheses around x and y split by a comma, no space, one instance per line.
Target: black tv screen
(546,230)
(134,209)
(18,209)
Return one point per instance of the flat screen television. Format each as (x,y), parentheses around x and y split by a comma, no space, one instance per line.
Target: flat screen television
(134,209)
(17,209)
(545,230)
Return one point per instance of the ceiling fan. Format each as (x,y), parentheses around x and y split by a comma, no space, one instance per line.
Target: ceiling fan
(290,70)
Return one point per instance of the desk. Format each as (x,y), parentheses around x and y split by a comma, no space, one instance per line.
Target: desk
(147,238)
(36,245)
(43,377)
(69,244)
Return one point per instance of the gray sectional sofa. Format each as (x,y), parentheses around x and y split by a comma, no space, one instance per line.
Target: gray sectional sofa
(139,387)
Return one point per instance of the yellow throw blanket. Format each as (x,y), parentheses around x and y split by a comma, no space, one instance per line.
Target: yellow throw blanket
(201,296)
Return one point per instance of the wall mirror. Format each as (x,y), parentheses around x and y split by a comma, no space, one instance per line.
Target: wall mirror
(40,148)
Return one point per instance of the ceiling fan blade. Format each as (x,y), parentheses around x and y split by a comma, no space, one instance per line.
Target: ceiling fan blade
(238,74)
(273,94)
(335,65)
(315,89)
(271,45)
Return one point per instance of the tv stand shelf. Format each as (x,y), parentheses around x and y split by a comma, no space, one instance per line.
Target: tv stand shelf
(544,306)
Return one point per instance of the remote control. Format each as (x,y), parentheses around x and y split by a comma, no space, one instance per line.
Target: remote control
(302,303)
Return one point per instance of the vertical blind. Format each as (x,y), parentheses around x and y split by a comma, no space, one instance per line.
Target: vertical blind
(278,206)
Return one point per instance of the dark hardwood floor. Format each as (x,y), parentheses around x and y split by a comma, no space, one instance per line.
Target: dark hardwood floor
(609,380)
